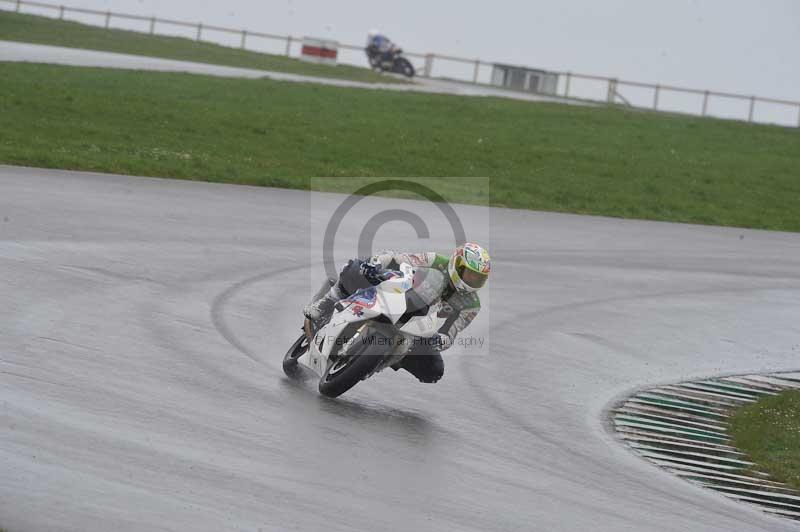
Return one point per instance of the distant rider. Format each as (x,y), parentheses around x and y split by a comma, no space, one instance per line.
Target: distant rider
(467,269)
(379,48)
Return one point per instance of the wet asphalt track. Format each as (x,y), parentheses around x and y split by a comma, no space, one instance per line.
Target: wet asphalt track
(143,322)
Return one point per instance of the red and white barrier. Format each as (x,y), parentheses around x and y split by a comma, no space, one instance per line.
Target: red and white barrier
(320,51)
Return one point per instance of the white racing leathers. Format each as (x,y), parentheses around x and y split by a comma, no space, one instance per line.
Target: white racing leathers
(458,309)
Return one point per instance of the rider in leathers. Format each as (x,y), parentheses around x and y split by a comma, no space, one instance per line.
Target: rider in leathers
(379,48)
(467,269)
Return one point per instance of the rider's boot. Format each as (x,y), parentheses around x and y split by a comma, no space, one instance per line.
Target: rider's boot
(321,309)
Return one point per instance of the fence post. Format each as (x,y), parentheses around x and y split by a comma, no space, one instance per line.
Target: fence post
(752,108)
(17,7)
(60,12)
(199,31)
(566,85)
(288,46)
(612,90)
(108,18)
(477,69)
(244,39)
(705,103)
(152,25)
(798,116)
(428,65)
(656,92)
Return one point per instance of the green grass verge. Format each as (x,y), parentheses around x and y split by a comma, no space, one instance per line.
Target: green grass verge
(43,30)
(769,432)
(593,160)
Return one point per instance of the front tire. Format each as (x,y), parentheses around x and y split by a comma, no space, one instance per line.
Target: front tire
(340,377)
(404,66)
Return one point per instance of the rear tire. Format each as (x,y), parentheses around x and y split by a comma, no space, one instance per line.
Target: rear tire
(338,380)
(298,349)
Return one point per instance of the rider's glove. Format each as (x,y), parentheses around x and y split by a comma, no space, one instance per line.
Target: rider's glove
(371,272)
(443,342)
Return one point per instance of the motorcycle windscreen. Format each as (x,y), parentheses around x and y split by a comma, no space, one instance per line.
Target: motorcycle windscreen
(427,289)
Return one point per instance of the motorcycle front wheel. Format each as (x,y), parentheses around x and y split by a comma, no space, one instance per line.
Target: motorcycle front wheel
(404,66)
(346,371)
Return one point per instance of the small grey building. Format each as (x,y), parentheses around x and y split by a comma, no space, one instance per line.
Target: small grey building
(524,79)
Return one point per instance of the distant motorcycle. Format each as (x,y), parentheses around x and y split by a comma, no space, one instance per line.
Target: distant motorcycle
(371,330)
(392,61)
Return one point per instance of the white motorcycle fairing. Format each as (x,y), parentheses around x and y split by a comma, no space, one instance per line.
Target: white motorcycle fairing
(387,299)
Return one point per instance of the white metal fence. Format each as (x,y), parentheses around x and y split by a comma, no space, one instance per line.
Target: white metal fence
(657,97)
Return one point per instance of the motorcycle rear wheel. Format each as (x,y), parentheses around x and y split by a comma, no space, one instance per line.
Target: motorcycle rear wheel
(298,349)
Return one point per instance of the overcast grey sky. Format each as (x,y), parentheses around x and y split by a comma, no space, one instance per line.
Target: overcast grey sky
(733,45)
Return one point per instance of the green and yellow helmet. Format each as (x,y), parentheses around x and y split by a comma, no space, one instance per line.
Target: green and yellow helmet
(469,267)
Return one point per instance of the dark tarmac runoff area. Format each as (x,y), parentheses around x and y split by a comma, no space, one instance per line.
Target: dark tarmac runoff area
(143,323)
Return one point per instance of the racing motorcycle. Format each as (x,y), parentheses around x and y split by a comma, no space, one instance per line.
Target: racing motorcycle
(371,330)
(397,64)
